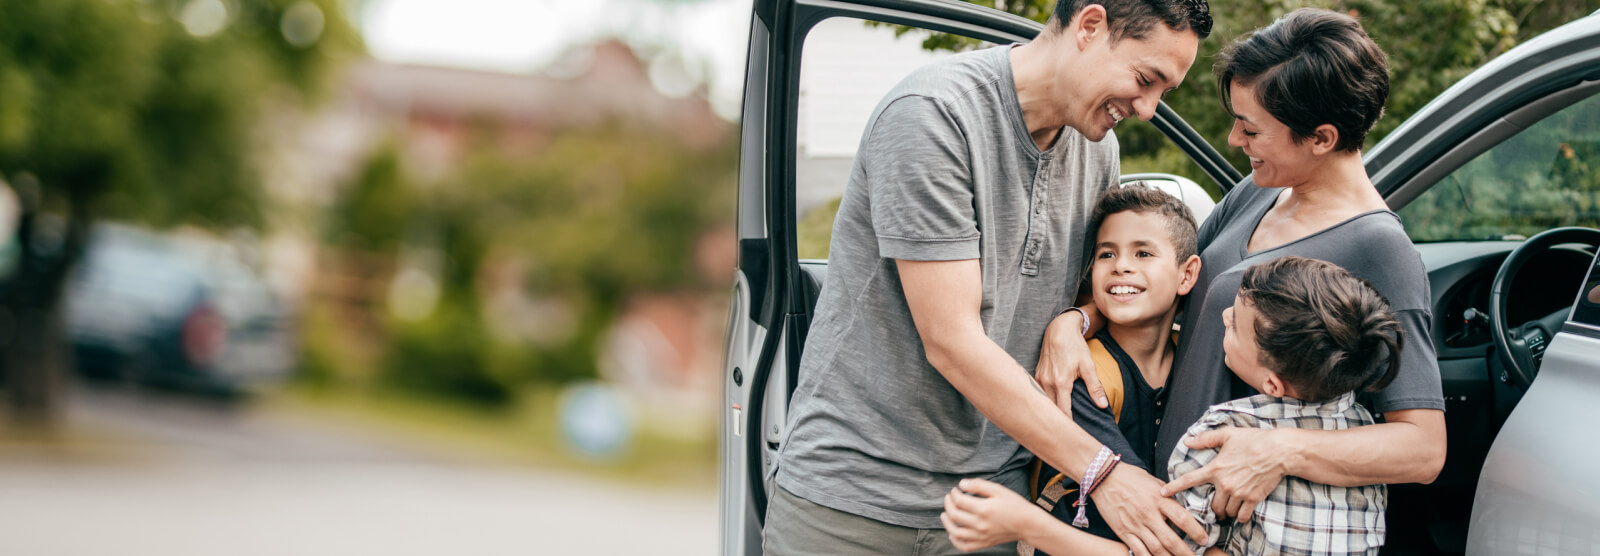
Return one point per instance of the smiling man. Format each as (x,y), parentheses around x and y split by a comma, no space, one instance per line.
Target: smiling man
(959,238)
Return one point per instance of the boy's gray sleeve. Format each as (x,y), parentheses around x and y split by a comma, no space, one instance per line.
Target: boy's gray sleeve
(920,183)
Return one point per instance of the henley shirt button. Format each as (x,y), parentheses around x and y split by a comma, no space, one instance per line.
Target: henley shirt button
(1158,420)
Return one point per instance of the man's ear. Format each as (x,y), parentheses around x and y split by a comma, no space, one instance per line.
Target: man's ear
(1324,139)
(1089,26)
(1188,274)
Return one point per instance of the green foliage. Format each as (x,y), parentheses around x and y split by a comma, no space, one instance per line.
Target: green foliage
(450,355)
(1431,44)
(589,217)
(373,212)
(814,231)
(116,105)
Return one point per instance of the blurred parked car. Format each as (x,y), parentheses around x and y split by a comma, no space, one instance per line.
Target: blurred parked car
(1495,180)
(150,309)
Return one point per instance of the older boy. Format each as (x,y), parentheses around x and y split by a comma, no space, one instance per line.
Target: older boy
(1142,262)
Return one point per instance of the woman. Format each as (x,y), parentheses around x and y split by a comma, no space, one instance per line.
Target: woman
(1304,91)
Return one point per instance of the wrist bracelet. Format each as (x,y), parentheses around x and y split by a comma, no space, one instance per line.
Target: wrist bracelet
(1090,479)
(1081,313)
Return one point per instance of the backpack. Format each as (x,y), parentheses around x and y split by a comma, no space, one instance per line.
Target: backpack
(1110,373)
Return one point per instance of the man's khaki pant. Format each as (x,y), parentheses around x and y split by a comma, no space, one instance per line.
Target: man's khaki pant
(798,526)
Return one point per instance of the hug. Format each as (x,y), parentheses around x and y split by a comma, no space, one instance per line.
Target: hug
(1245,385)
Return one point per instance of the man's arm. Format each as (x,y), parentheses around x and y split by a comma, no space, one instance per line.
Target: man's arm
(1408,448)
(945,298)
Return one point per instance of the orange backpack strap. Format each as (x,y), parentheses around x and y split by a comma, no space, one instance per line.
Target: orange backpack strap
(1047,491)
(1110,373)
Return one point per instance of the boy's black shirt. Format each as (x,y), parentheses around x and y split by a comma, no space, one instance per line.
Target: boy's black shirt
(1133,436)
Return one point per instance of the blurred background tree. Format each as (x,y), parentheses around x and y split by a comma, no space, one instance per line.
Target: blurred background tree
(140,111)
(524,259)
(1430,43)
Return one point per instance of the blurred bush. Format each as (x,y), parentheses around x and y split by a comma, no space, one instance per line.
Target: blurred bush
(509,269)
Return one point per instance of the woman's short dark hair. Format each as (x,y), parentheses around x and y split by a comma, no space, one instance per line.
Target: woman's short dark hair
(1323,331)
(1135,18)
(1309,68)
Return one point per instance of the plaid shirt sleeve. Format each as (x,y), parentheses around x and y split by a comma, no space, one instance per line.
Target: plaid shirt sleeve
(1198,499)
(1299,516)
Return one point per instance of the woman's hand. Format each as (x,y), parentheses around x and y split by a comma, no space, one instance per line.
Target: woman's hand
(1063,359)
(1250,463)
(986,514)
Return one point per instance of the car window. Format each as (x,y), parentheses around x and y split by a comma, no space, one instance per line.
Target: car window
(848,66)
(1543,177)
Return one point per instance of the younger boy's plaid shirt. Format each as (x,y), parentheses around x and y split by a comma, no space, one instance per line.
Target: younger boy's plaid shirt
(1298,517)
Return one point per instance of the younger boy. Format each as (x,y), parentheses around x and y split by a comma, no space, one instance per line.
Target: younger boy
(1307,335)
(1143,260)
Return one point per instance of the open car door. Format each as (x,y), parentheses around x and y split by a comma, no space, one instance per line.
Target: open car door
(1536,494)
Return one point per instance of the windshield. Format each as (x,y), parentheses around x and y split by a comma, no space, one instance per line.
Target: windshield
(1544,177)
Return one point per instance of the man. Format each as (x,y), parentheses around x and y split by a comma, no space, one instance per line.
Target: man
(959,238)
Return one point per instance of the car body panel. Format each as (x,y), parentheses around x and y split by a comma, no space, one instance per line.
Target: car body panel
(1537,493)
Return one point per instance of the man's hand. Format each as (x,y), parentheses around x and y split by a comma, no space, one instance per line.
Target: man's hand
(1249,464)
(1131,502)
(986,514)
(1063,359)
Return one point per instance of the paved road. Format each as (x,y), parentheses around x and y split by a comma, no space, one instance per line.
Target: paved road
(174,478)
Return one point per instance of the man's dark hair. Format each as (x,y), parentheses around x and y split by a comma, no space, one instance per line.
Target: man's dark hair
(1323,331)
(1135,18)
(1141,198)
(1309,68)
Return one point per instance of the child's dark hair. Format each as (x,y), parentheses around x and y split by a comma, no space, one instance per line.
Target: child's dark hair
(1323,331)
(1138,197)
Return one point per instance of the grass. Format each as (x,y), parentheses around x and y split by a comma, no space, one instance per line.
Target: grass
(528,434)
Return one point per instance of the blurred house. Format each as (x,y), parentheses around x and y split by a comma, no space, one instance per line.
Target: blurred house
(839,88)
(433,110)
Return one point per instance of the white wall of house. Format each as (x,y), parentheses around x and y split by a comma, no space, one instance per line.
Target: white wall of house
(846,70)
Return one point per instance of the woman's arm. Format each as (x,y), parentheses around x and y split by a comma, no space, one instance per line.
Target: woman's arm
(1409,447)
(981,514)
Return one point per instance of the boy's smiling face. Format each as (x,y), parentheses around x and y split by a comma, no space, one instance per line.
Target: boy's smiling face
(1136,274)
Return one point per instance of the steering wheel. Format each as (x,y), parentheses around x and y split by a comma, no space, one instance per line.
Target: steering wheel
(1521,349)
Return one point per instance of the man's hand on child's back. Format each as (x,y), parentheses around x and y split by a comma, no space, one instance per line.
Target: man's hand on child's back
(1130,500)
(1250,463)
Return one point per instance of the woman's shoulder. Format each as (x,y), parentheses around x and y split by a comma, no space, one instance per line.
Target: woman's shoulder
(1374,246)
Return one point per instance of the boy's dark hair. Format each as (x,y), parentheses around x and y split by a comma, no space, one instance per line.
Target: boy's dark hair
(1309,68)
(1135,18)
(1141,198)
(1323,331)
